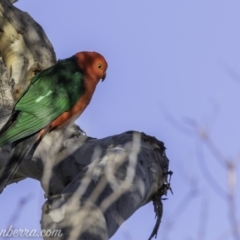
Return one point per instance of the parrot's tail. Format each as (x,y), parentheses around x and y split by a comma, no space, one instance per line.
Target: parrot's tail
(19,151)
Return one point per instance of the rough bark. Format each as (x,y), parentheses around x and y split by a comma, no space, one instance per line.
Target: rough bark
(92,185)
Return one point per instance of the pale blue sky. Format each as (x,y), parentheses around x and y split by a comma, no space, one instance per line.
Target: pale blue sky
(176,55)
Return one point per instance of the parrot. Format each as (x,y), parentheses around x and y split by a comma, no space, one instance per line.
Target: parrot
(55,98)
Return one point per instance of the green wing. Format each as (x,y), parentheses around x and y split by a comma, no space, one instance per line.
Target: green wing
(50,93)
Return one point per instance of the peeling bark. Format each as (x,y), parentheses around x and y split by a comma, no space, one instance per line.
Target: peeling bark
(91,185)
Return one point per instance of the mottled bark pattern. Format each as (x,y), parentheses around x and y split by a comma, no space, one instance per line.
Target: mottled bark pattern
(25,48)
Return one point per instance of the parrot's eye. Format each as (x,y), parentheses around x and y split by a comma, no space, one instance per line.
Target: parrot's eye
(99,65)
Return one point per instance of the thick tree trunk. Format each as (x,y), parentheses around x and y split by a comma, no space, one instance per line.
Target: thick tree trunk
(92,185)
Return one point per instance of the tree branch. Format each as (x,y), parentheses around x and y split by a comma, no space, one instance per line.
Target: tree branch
(25,48)
(114,177)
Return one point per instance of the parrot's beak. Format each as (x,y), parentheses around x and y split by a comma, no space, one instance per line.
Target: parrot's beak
(104,76)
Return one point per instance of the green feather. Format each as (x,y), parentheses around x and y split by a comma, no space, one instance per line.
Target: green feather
(50,93)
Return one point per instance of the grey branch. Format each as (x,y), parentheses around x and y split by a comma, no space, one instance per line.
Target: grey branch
(92,185)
